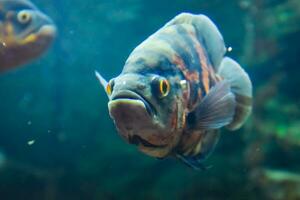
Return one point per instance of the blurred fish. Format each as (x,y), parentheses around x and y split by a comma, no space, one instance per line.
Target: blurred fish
(25,33)
(177,89)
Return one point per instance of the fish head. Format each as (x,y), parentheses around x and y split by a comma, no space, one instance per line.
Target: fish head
(25,32)
(146,111)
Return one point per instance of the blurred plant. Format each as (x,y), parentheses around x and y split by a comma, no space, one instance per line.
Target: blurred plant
(278,184)
(266,23)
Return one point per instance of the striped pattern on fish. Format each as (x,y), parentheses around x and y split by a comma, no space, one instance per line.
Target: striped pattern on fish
(177,90)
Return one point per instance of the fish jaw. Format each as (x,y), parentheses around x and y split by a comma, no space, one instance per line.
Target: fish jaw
(136,125)
(130,117)
(45,33)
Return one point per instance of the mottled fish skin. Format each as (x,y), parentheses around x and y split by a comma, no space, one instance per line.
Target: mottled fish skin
(175,52)
(186,55)
(25,33)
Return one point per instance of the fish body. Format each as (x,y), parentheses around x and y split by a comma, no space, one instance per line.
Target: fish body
(177,90)
(25,33)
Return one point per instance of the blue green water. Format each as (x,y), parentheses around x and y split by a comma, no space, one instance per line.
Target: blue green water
(57,140)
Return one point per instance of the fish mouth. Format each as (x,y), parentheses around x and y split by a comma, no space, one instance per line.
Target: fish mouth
(47,30)
(136,140)
(134,117)
(133,96)
(44,32)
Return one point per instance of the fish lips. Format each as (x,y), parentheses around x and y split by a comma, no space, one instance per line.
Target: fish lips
(48,30)
(133,116)
(135,119)
(127,108)
(133,98)
(45,34)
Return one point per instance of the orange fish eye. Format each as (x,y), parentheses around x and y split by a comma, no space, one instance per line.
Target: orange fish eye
(164,87)
(110,87)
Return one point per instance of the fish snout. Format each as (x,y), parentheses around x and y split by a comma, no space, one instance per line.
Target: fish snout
(132,82)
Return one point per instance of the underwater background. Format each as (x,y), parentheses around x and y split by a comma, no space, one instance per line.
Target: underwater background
(57,140)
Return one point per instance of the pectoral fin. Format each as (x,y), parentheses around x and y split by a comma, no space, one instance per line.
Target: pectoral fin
(216,109)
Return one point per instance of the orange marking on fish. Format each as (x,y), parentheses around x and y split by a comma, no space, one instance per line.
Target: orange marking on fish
(174,118)
(199,92)
(203,61)
(183,120)
(178,61)
(190,76)
(205,80)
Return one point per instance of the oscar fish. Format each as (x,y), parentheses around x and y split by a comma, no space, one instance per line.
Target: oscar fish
(177,89)
(25,33)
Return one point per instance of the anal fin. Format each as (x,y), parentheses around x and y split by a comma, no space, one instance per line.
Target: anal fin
(196,156)
(193,163)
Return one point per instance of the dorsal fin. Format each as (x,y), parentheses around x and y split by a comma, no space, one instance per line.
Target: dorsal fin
(207,32)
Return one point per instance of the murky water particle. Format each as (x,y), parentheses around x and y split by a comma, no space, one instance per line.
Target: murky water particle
(29,123)
(31,142)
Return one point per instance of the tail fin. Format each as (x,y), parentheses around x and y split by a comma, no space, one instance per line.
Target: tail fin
(241,86)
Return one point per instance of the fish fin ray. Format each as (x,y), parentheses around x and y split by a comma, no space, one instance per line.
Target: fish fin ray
(216,109)
(194,164)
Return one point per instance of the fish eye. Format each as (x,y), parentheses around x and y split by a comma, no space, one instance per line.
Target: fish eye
(24,17)
(110,87)
(162,86)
